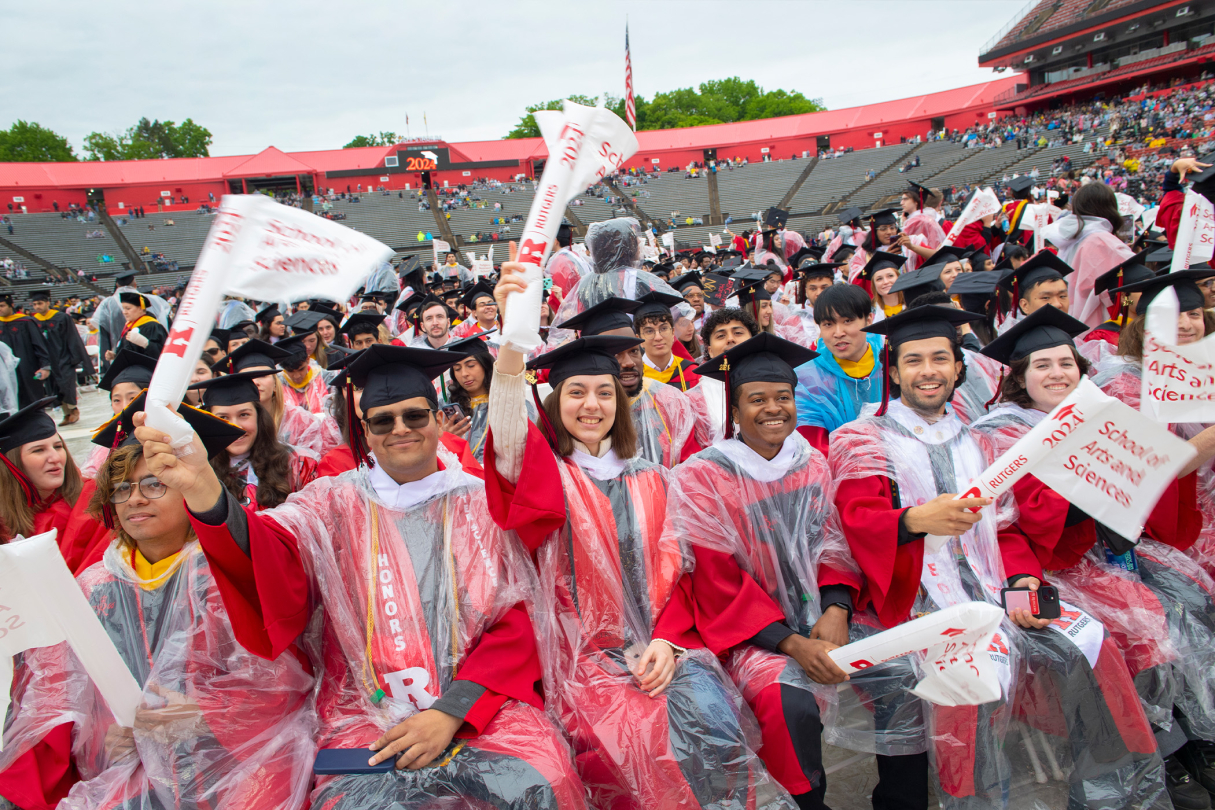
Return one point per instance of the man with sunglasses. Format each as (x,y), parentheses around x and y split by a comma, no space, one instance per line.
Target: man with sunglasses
(431,657)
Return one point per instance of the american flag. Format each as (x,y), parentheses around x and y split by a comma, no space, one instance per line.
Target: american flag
(630,109)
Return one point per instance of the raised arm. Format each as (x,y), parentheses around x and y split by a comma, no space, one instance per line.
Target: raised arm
(507,412)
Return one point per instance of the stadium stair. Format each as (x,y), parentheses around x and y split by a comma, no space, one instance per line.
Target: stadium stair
(632,205)
(715,217)
(843,202)
(787,200)
(436,208)
(137,262)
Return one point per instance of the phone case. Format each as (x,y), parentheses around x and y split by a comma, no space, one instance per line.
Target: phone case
(347,760)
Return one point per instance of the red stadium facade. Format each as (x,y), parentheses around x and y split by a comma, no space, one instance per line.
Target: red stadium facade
(153,183)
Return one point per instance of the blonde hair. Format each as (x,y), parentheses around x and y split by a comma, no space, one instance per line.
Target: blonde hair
(16,513)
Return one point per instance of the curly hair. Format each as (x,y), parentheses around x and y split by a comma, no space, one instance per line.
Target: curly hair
(720,316)
(118,468)
(271,462)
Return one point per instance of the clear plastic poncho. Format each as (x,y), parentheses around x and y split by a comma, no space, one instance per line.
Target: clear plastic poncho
(1050,683)
(605,578)
(615,253)
(776,520)
(663,417)
(232,312)
(980,386)
(439,573)
(383,279)
(246,727)
(8,379)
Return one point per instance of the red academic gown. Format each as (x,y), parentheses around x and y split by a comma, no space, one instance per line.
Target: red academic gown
(622,737)
(82,539)
(340,459)
(269,597)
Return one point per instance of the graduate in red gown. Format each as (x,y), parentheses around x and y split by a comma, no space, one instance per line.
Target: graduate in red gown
(427,650)
(774,582)
(663,416)
(921,549)
(1119,306)
(653,720)
(217,729)
(1070,549)
(41,488)
(1021,190)
(257,468)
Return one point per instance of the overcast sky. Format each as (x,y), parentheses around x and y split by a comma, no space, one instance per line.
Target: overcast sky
(310,75)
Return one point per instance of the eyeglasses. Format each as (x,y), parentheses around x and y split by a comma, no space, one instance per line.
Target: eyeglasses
(383,423)
(150,487)
(213,352)
(662,329)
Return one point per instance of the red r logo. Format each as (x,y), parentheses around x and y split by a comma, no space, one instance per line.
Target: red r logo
(177,342)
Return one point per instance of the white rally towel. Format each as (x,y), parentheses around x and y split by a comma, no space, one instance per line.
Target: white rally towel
(40,606)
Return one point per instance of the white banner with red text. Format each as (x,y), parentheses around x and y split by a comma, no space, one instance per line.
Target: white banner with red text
(1178,382)
(266,251)
(585,144)
(984,203)
(1195,242)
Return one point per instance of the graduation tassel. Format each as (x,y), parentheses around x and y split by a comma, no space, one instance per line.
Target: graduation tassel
(881,411)
(996,396)
(546,427)
(107,516)
(725,366)
(357,446)
(31,494)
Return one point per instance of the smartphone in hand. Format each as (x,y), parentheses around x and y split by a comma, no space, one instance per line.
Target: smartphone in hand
(1042,603)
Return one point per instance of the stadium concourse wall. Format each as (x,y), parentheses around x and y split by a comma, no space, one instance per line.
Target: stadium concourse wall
(36,186)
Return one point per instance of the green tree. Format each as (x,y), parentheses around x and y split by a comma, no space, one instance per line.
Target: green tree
(721,101)
(26,141)
(383,139)
(527,128)
(148,140)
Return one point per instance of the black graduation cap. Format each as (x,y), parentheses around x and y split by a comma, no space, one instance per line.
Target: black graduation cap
(946,254)
(753,291)
(775,217)
(294,346)
(431,300)
(921,323)
(408,265)
(691,278)
(1164,254)
(221,336)
(880,259)
(412,301)
(843,252)
(920,193)
(389,374)
(978,259)
(848,215)
(134,299)
(1129,271)
(761,358)
(472,344)
(608,314)
(215,433)
(362,322)
(1041,267)
(977,283)
(253,354)
(239,326)
(720,287)
(306,320)
(231,389)
(656,303)
(1189,295)
(916,283)
(124,279)
(806,254)
(128,367)
(881,216)
(40,295)
(482,289)
(1044,328)
(587,355)
(1020,187)
(29,424)
(268,314)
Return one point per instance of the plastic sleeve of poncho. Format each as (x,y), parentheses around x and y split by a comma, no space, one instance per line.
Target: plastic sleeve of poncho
(925,225)
(248,735)
(663,419)
(428,627)
(232,312)
(1095,254)
(781,533)
(8,379)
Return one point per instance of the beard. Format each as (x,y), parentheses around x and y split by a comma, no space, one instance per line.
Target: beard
(918,401)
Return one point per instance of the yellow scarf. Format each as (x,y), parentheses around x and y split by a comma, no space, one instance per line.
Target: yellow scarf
(46,316)
(676,367)
(892,311)
(151,573)
(13,317)
(861,368)
(305,383)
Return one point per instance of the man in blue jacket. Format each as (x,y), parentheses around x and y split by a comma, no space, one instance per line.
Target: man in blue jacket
(832,388)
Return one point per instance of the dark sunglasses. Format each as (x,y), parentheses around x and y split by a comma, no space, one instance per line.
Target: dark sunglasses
(414,419)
